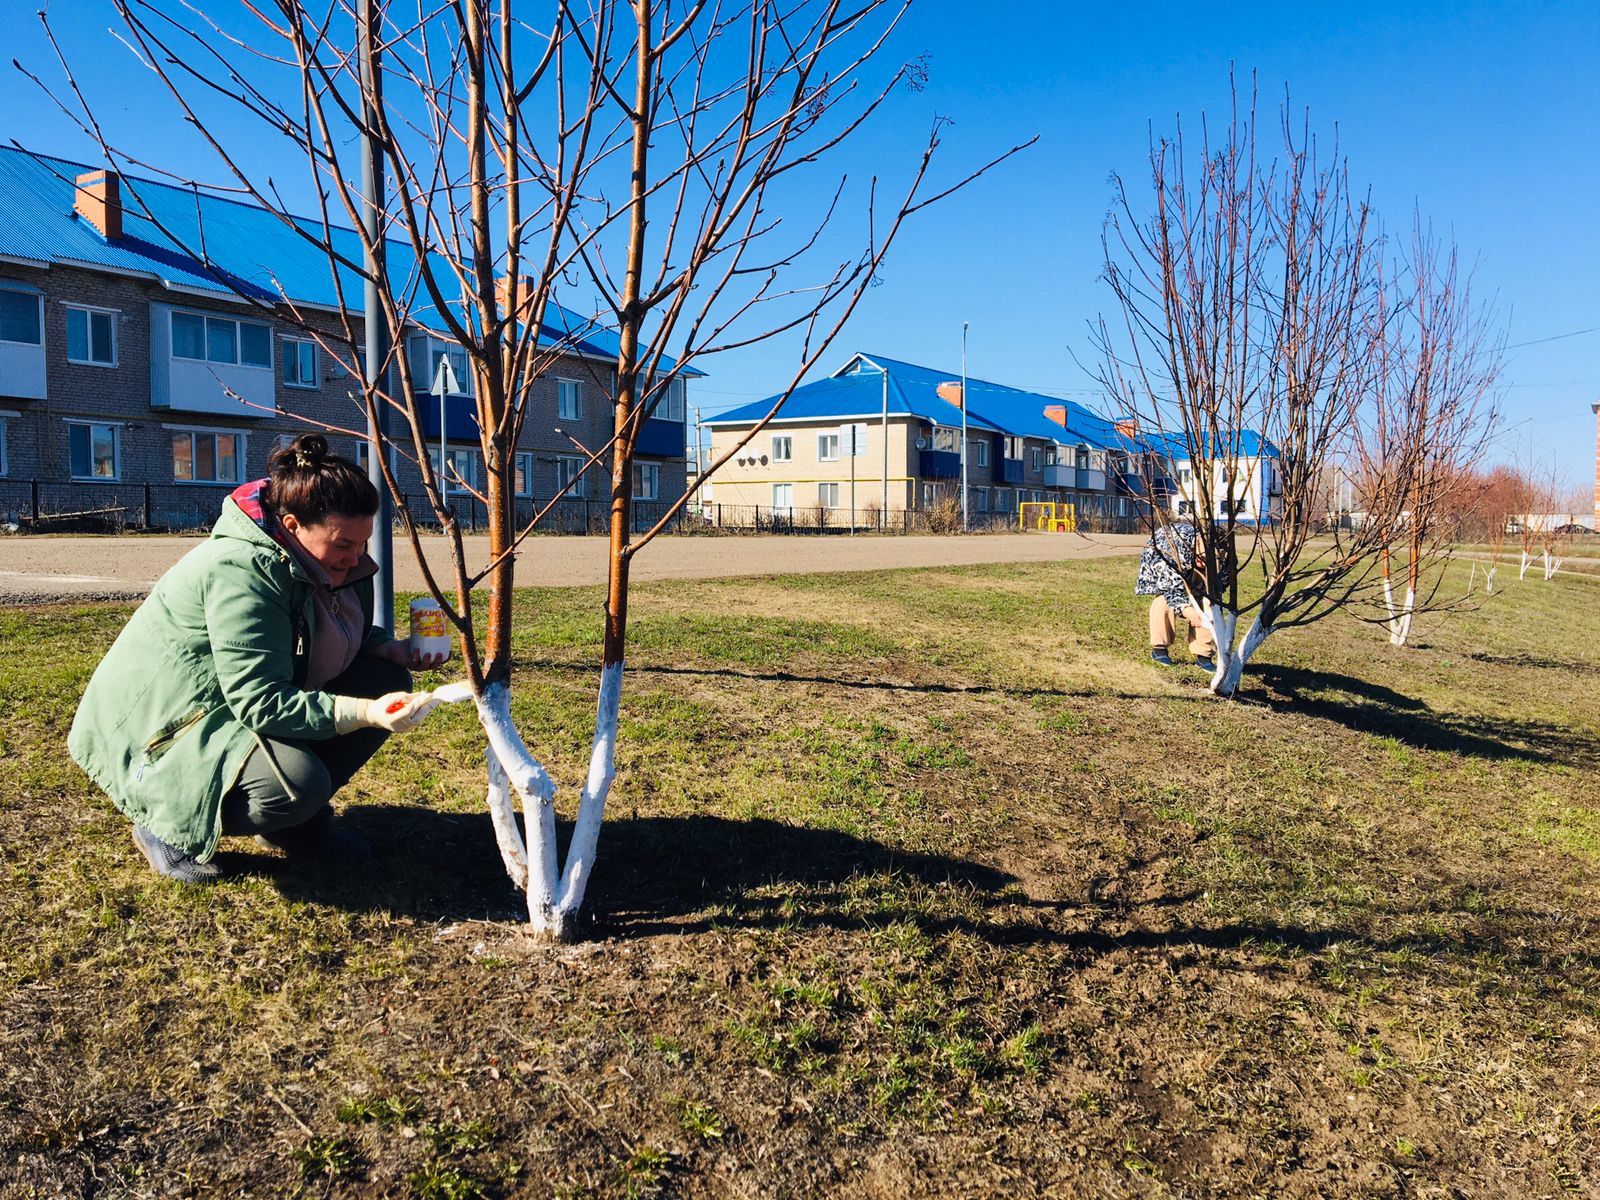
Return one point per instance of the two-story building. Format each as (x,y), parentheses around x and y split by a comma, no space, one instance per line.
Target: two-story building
(140,378)
(907,428)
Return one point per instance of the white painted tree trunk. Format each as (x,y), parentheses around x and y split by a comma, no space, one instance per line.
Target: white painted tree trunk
(1488,579)
(1551,566)
(1527,561)
(1399,615)
(554,899)
(1231,659)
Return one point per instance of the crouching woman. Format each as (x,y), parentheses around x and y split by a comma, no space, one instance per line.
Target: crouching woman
(252,684)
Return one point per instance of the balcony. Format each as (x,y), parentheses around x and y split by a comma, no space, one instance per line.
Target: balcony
(1009,471)
(1059,477)
(662,439)
(460,414)
(940,464)
(1089,480)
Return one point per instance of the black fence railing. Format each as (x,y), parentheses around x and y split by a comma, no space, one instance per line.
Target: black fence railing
(44,506)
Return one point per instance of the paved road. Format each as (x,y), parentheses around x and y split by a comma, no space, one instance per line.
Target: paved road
(37,570)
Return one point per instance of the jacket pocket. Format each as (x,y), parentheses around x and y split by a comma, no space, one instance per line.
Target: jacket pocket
(164,738)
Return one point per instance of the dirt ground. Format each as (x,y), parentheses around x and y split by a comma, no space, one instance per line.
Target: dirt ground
(38,569)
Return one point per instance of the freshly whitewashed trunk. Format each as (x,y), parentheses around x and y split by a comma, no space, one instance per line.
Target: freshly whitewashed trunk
(1488,580)
(1231,659)
(1399,615)
(592,807)
(1527,561)
(1551,565)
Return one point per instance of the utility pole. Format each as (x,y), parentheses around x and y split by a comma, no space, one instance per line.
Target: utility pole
(965,525)
(377,332)
(883,513)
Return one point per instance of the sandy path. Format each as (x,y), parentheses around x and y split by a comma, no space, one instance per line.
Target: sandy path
(39,569)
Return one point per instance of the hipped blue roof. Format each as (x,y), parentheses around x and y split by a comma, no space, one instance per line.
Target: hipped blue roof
(221,245)
(856,390)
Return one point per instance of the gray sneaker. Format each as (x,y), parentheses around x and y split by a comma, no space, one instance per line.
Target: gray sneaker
(324,836)
(170,861)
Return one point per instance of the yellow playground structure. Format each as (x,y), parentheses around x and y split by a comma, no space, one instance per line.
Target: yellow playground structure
(1049,516)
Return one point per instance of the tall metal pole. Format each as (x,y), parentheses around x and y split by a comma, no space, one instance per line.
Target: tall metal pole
(883,515)
(965,526)
(377,330)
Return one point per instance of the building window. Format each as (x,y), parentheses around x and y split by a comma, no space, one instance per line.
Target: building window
(569,400)
(1002,499)
(980,452)
(944,439)
(828,446)
(93,450)
(423,352)
(299,363)
(980,499)
(569,470)
(21,319)
(359,456)
(92,336)
(782,447)
(828,495)
(646,480)
(221,340)
(524,475)
(1038,459)
(199,456)
(670,407)
(1013,448)
(5,460)
(464,470)
(783,499)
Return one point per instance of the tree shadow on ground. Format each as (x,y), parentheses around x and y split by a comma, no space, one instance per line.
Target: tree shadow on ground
(1367,707)
(686,875)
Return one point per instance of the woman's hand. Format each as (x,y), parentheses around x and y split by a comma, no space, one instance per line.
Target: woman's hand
(402,653)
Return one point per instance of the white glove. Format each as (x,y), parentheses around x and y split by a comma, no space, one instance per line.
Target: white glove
(398,712)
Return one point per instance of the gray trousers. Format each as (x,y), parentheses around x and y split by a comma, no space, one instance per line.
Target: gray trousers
(287,782)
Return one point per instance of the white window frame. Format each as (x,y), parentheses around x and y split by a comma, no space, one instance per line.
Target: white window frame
(90,311)
(571,467)
(828,495)
(457,484)
(671,406)
(981,497)
(787,441)
(8,285)
(116,450)
(944,439)
(358,455)
(643,472)
(523,463)
(980,451)
(316,376)
(212,431)
(824,440)
(783,499)
(238,339)
(569,390)
(1036,457)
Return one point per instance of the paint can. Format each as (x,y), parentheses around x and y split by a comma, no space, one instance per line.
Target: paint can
(428,632)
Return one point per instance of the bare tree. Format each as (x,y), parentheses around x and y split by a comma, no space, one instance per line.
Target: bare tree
(1248,311)
(1431,419)
(622,171)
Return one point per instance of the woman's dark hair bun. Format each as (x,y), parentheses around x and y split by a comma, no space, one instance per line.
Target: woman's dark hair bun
(309,483)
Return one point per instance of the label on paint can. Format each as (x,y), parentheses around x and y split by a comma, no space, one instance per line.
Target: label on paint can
(428,631)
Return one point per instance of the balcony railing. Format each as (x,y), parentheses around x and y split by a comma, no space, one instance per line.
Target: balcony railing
(1090,480)
(1010,471)
(940,464)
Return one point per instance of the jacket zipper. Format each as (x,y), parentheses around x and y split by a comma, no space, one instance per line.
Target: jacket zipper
(162,742)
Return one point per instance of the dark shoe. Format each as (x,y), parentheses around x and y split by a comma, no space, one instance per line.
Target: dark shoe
(1204,663)
(170,861)
(323,836)
(1159,654)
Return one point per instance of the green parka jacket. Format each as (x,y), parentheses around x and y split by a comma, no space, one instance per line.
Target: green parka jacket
(211,661)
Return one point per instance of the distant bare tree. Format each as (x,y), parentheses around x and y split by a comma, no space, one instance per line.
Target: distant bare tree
(647,153)
(1430,422)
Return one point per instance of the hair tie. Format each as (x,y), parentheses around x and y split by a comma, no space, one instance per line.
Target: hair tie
(304,460)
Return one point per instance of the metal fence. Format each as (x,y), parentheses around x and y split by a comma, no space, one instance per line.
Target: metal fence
(44,506)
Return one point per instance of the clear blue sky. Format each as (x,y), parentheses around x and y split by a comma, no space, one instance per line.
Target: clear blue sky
(1485,116)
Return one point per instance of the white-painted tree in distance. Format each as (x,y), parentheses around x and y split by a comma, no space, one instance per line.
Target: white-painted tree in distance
(647,167)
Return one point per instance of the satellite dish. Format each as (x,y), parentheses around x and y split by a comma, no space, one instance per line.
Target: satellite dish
(922,443)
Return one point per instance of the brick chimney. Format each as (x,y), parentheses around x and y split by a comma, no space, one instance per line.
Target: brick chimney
(1056,413)
(512,291)
(99,201)
(950,392)
(1128,427)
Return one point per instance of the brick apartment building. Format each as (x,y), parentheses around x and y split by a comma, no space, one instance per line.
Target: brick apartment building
(137,385)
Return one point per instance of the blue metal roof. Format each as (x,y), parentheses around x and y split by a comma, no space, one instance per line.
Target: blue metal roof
(221,245)
(856,390)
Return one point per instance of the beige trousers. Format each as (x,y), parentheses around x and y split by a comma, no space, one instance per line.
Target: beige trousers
(1201,643)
